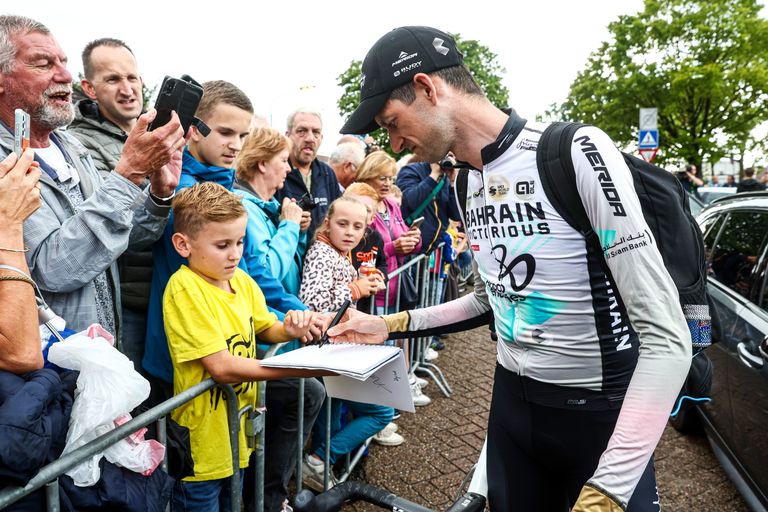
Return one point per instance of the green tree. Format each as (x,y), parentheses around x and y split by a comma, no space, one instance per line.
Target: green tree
(702,63)
(480,60)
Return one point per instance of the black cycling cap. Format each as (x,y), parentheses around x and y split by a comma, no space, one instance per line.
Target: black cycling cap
(391,62)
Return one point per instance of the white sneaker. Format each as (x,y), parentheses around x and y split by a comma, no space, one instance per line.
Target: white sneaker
(419,398)
(430,354)
(413,380)
(388,437)
(312,467)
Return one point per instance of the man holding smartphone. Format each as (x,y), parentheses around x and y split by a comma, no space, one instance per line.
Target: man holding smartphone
(85,222)
(102,123)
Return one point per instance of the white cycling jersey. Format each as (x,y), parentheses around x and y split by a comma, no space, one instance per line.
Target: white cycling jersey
(559,319)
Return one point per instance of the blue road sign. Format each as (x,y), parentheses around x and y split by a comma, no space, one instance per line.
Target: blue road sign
(648,139)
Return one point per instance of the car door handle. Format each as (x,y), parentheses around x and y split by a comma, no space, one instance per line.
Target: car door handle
(747,357)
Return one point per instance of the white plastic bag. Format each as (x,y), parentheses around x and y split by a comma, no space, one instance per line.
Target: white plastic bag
(108,387)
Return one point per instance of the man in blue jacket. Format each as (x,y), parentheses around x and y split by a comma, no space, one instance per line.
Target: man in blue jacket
(418,181)
(309,175)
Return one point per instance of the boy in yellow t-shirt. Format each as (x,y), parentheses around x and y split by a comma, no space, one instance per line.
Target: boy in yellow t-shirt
(213,313)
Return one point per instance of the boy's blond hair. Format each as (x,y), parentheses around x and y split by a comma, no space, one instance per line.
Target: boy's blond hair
(205,202)
(361,189)
(261,145)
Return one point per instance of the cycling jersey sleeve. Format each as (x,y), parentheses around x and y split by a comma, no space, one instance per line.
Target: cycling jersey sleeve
(652,303)
(467,312)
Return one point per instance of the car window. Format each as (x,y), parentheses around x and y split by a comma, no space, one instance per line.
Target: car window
(737,250)
(709,229)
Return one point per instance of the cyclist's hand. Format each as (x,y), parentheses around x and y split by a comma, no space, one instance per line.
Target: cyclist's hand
(357,327)
(592,500)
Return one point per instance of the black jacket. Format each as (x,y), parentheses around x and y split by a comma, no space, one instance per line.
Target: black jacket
(325,190)
(750,185)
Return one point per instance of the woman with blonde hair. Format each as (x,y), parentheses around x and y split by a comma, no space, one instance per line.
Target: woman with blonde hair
(378,170)
(276,233)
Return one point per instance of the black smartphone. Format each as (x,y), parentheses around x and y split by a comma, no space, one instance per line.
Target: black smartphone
(20,132)
(180,94)
(336,320)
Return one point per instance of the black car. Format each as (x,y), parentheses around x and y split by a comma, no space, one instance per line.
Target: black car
(735,232)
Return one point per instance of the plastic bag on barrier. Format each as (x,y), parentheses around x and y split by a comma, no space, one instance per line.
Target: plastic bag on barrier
(108,387)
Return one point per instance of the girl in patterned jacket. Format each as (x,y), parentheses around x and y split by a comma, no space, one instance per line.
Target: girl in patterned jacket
(329,279)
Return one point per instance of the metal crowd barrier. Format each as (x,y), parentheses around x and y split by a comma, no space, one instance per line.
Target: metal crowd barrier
(426,269)
(48,476)
(427,272)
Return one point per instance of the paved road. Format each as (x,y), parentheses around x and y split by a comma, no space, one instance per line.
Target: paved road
(444,438)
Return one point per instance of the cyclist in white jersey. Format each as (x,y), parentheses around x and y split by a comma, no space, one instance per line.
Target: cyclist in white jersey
(589,364)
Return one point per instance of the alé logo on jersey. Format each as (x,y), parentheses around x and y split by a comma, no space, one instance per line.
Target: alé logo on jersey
(595,159)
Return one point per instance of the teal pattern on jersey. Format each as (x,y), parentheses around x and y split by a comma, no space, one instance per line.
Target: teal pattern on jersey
(606,237)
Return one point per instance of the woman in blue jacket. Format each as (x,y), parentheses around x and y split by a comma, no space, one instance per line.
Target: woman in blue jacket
(276,233)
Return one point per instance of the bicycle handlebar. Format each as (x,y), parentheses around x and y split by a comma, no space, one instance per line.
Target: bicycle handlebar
(333,499)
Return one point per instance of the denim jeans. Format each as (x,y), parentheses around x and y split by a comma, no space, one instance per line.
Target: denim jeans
(367,420)
(205,496)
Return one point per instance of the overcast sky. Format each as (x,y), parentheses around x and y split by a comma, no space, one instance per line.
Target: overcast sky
(286,54)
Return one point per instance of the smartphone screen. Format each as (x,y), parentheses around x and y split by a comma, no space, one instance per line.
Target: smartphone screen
(20,132)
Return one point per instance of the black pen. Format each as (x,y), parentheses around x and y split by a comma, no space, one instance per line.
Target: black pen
(336,320)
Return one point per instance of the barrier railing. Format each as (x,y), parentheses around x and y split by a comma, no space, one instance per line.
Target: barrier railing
(48,476)
(428,279)
(427,271)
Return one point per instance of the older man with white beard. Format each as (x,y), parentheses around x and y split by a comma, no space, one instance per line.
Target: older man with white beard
(85,222)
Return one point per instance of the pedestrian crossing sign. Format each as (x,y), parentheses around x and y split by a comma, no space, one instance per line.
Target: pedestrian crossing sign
(649,139)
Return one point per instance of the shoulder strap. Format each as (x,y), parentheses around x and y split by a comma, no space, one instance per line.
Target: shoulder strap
(558,175)
(460,186)
(415,214)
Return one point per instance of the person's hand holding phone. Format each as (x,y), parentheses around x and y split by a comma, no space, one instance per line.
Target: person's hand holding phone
(291,211)
(147,152)
(19,188)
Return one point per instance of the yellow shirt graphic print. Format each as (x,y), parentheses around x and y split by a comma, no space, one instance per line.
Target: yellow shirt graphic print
(200,320)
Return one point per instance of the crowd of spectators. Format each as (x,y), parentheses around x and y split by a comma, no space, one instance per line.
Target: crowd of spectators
(85,218)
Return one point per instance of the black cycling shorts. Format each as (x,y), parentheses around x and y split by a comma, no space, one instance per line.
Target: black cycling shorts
(540,456)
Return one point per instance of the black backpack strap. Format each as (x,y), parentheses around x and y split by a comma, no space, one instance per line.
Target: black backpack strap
(462,180)
(558,175)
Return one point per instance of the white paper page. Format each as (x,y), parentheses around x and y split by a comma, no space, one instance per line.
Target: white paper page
(387,386)
(357,361)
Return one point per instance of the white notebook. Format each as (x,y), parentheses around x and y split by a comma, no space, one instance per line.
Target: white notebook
(353,360)
(373,374)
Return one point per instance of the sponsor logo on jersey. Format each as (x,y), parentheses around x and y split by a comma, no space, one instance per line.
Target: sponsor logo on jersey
(524,189)
(595,159)
(498,187)
(505,220)
(528,145)
(627,243)
(619,325)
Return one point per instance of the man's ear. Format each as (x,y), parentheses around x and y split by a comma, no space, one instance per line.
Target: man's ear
(181,244)
(424,84)
(88,88)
